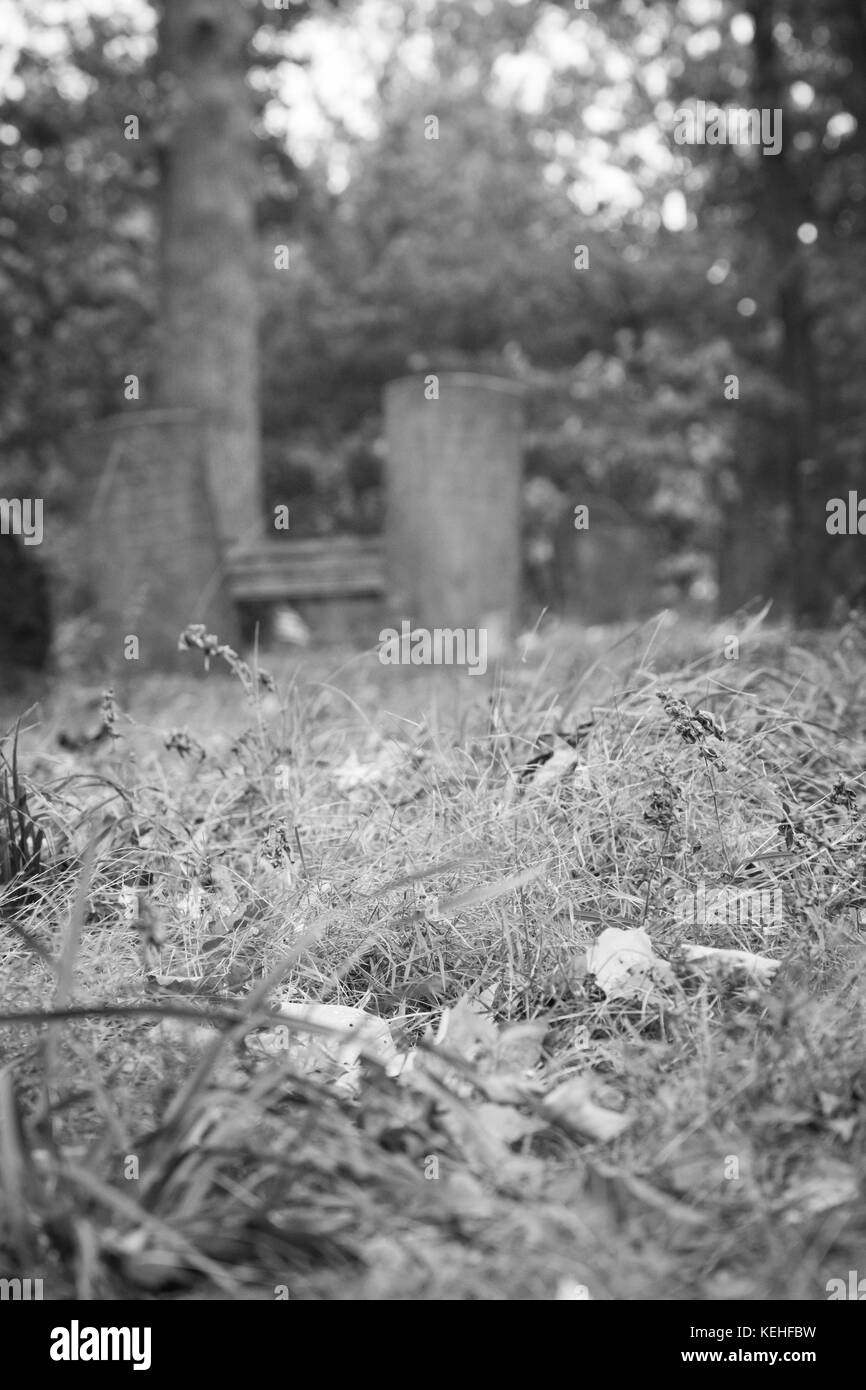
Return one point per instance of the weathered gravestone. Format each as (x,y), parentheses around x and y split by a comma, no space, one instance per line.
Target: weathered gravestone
(612,570)
(25,610)
(149,560)
(453,500)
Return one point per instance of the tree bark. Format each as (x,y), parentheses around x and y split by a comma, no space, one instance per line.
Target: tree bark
(208,312)
(784,206)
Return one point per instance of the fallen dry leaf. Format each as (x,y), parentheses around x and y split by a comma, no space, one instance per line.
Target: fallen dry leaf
(184,1033)
(467,1029)
(761,969)
(624,963)
(518,1046)
(506,1123)
(336,1053)
(570,1289)
(832,1185)
(571,1104)
(486,1139)
(562,761)
(376,770)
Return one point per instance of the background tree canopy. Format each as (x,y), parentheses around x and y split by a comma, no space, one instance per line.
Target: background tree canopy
(555,129)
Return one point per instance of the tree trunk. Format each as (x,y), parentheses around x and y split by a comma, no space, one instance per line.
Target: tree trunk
(208,313)
(784,206)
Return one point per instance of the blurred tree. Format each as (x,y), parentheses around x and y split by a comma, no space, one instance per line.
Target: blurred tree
(79,223)
(788,231)
(208,309)
(76,245)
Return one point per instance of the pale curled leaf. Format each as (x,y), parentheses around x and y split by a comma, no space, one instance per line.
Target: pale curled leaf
(183,1034)
(624,963)
(351,1034)
(147,1263)
(571,1290)
(506,1123)
(379,768)
(833,1183)
(759,968)
(562,761)
(486,1142)
(467,1029)
(518,1047)
(572,1105)
(289,626)
(511,1088)
(463,1197)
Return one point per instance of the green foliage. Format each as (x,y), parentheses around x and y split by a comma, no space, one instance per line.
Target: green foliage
(457,252)
(21,837)
(77,239)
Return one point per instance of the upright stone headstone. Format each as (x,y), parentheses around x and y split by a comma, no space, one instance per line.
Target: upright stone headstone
(151,560)
(453,496)
(25,609)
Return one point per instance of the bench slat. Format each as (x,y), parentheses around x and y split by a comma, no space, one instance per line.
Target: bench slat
(331,567)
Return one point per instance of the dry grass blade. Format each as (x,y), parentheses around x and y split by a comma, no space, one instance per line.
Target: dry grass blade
(124,1206)
(21,839)
(17,1175)
(489,891)
(445,866)
(29,941)
(254,1007)
(75,925)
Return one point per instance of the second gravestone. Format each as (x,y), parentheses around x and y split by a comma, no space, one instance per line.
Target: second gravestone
(452,535)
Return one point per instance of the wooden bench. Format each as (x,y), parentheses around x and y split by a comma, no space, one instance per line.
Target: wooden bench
(327,567)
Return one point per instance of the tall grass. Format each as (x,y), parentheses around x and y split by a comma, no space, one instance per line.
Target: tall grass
(408,847)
